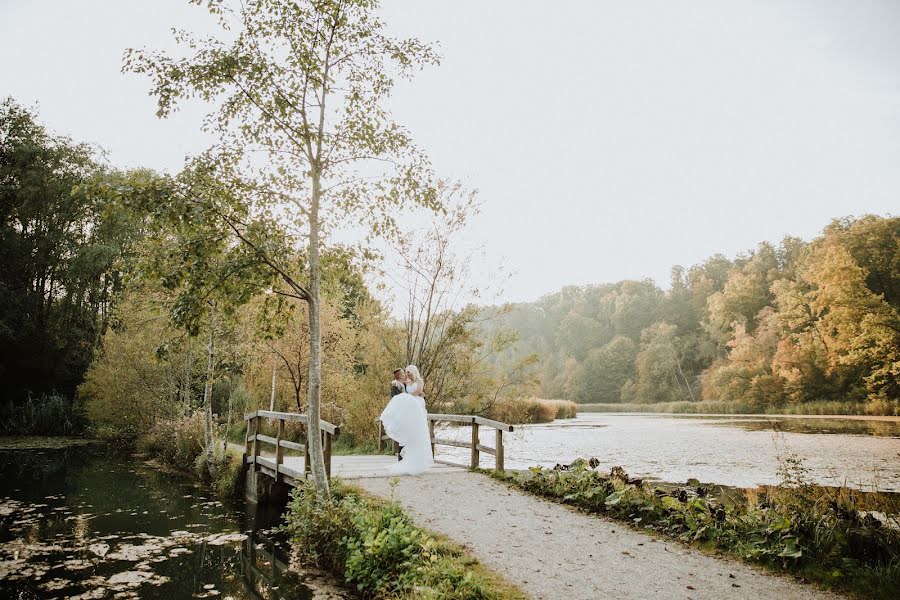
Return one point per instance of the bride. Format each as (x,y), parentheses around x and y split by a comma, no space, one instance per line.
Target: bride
(406,421)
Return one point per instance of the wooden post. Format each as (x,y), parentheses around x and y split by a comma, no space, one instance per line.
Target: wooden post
(476,455)
(255,421)
(380,436)
(279,450)
(499,448)
(247,440)
(306,465)
(327,453)
(431,435)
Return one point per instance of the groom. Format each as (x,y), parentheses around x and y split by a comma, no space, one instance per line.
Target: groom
(398,386)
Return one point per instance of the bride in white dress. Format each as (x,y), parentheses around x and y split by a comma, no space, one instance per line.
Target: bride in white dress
(405,420)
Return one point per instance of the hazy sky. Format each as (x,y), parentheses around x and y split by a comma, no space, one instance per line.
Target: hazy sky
(609,140)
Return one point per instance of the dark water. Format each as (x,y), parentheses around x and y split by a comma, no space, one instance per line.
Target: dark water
(90,522)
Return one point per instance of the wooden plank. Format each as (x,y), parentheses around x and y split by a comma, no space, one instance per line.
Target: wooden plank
(476,457)
(292,445)
(446,442)
(265,438)
(451,418)
(255,423)
(441,461)
(279,449)
(327,453)
(493,423)
(298,417)
(431,435)
(487,449)
(293,473)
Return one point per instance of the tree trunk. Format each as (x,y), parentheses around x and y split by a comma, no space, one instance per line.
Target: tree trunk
(272,397)
(207,395)
(314,385)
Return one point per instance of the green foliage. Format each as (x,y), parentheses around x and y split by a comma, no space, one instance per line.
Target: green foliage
(175,442)
(375,547)
(180,443)
(61,243)
(823,533)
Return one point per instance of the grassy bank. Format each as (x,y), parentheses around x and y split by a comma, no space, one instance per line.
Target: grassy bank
(518,411)
(376,549)
(825,535)
(179,443)
(737,408)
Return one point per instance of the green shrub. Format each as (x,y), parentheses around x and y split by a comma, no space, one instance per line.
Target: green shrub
(175,442)
(825,534)
(375,547)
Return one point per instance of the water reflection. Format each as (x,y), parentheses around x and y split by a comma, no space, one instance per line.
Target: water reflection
(740,451)
(90,523)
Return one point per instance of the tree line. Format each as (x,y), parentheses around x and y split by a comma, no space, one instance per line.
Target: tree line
(784,324)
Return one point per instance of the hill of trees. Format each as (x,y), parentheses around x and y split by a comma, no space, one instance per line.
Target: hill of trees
(787,324)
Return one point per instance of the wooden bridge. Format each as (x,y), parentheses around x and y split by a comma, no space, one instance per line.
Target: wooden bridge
(280,468)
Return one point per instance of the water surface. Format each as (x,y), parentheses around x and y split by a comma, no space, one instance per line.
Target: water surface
(90,522)
(736,450)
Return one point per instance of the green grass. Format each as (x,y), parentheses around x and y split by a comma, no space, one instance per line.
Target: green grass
(825,535)
(376,549)
(824,407)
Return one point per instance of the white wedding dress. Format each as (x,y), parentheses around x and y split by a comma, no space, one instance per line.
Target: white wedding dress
(406,421)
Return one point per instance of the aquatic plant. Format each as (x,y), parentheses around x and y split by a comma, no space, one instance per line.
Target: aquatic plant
(830,535)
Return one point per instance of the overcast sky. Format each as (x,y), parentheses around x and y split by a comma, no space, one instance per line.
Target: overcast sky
(609,140)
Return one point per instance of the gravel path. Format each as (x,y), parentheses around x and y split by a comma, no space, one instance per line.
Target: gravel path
(555,553)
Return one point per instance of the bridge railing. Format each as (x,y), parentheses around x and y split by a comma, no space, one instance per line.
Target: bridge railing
(327,430)
(474,444)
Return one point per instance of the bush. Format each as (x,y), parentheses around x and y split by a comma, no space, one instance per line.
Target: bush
(822,533)
(175,442)
(375,547)
(532,410)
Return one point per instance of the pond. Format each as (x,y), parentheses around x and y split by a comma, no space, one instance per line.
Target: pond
(743,451)
(92,522)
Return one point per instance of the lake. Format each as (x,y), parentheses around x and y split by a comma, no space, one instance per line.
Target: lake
(737,450)
(92,522)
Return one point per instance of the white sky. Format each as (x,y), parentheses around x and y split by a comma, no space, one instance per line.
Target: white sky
(609,140)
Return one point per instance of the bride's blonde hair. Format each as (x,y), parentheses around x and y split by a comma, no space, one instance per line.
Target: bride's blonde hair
(414,370)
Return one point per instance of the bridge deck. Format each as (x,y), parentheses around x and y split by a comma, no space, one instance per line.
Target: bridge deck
(354,466)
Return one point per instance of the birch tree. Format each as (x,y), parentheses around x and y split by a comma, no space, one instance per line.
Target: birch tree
(297,92)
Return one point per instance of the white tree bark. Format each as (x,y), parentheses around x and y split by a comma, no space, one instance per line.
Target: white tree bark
(207,394)
(314,389)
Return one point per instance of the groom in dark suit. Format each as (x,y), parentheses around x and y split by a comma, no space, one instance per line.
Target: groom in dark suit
(398,386)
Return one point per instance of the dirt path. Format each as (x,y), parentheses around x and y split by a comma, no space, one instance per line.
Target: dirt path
(555,553)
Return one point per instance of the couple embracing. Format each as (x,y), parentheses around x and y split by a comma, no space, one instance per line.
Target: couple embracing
(405,420)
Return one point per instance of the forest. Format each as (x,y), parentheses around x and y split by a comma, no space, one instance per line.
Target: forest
(125,301)
(788,325)
(122,302)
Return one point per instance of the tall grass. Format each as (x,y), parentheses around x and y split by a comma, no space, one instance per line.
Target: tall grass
(47,414)
(532,410)
(824,407)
